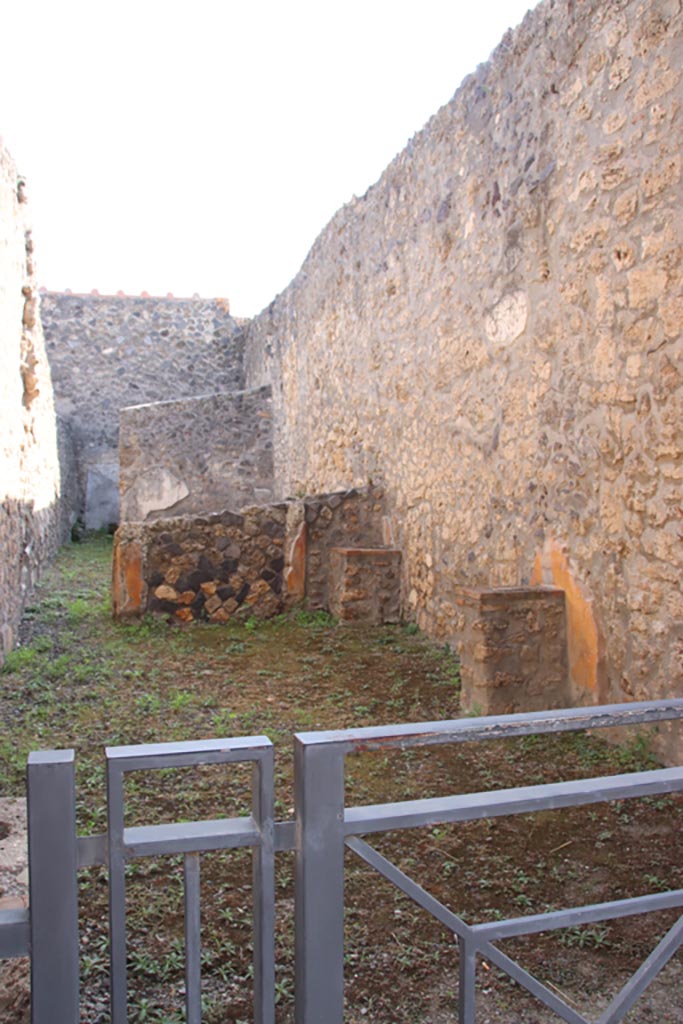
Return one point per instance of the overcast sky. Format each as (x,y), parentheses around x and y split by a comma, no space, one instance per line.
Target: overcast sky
(202,146)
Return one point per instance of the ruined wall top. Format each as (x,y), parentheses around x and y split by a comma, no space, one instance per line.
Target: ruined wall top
(111,351)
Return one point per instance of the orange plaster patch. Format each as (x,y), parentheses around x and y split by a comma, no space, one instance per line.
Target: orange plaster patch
(296,574)
(129,589)
(583,639)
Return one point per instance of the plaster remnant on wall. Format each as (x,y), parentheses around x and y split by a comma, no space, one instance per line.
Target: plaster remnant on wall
(219,446)
(156,490)
(583,639)
(102,495)
(507,320)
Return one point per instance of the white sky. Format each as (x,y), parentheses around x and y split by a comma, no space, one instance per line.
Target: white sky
(202,145)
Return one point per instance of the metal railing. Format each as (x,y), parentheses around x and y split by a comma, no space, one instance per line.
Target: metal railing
(323,826)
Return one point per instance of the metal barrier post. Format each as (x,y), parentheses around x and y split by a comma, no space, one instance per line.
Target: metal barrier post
(319,883)
(53,887)
(468,977)
(263,874)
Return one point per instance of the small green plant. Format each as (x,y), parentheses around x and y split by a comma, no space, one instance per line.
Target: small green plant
(224,722)
(77,610)
(148,626)
(314,619)
(636,754)
(235,646)
(21,658)
(656,883)
(148,703)
(586,937)
(180,699)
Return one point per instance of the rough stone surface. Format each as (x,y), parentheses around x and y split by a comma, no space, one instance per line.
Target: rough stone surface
(14,974)
(494,331)
(259,560)
(196,455)
(365,585)
(13,854)
(350,518)
(209,568)
(108,352)
(34,517)
(512,644)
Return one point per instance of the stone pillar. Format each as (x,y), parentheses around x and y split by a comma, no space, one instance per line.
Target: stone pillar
(365,585)
(513,649)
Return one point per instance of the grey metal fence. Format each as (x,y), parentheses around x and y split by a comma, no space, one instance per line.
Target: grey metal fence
(323,826)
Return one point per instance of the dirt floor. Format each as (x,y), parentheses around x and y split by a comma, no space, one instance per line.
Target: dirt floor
(80,680)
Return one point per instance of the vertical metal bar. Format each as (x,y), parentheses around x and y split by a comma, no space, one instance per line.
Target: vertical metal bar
(53,887)
(263,861)
(117,895)
(319,879)
(467,989)
(193,980)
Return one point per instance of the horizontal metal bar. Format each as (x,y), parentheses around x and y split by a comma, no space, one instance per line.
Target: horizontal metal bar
(533,924)
(498,802)
(15,933)
(91,851)
(190,837)
(148,756)
(496,727)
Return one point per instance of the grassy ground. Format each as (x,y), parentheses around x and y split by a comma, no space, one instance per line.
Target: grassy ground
(80,680)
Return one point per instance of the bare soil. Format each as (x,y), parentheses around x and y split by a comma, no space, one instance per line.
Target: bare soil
(80,680)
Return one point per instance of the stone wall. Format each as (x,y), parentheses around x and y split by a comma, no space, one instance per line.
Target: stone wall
(108,352)
(211,568)
(196,455)
(495,331)
(258,561)
(33,520)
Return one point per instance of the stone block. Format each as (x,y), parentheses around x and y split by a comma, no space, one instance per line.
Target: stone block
(513,649)
(365,585)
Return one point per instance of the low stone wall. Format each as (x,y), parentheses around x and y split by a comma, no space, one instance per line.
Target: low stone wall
(260,560)
(108,352)
(211,567)
(196,455)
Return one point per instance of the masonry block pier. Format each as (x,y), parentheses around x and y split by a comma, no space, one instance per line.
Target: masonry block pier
(365,585)
(513,649)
